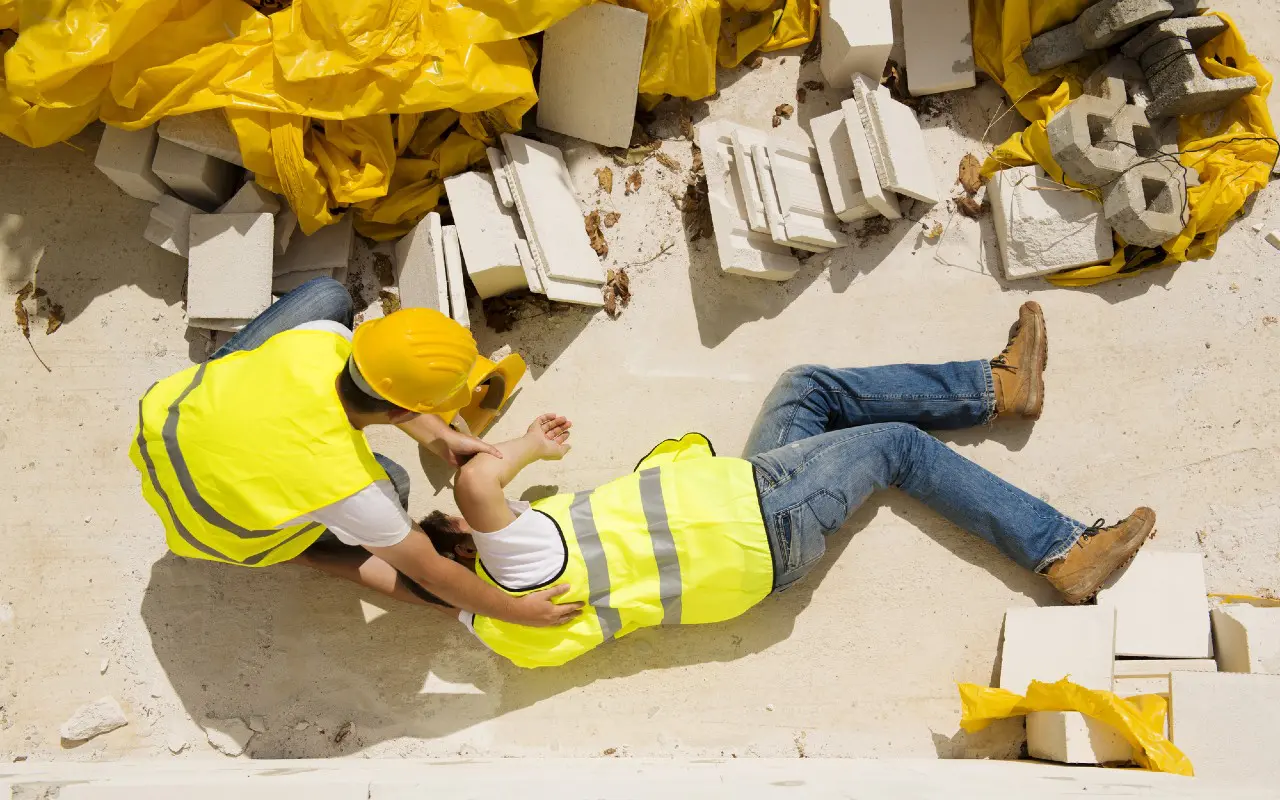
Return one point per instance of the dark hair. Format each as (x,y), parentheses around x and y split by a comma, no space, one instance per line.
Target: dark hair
(443,533)
(354,397)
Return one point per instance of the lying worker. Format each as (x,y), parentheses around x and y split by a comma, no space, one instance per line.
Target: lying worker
(690,537)
(258,456)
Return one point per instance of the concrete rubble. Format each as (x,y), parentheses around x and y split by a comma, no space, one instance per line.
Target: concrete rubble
(169,225)
(897,143)
(1179,85)
(126,157)
(205,131)
(938,38)
(228,736)
(1147,205)
(229,269)
(1247,638)
(93,719)
(1043,227)
(857,36)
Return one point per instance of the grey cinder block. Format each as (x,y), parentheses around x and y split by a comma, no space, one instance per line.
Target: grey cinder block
(1179,86)
(1147,205)
(1085,143)
(1053,49)
(1110,21)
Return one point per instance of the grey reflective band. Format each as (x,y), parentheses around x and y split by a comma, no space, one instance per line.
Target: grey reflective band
(354,371)
(257,559)
(664,544)
(598,590)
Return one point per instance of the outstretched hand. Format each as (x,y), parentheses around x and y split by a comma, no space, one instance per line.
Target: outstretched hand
(550,433)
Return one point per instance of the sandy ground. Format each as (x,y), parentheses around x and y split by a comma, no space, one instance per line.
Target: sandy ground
(1161,391)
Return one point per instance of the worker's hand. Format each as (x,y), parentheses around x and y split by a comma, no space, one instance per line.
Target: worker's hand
(550,435)
(538,609)
(457,448)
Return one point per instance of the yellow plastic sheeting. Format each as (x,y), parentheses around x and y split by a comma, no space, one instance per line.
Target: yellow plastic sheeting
(767,26)
(680,48)
(1233,162)
(1140,719)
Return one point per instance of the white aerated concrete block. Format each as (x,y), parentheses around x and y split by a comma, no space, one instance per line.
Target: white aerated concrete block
(1056,642)
(744,141)
(1225,723)
(1070,737)
(169,226)
(421,274)
(759,158)
(883,201)
(897,143)
(287,282)
(251,199)
(835,156)
(591,73)
(488,233)
(453,272)
(1161,667)
(229,269)
(1160,604)
(125,157)
(227,326)
(802,194)
(857,36)
(1247,638)
(938,37)
(1128,686)
(498,164)
(1043,227)
(530,267)
(548,206)
(742,251)
(200,179)
(328,248)
(206,132)
(583,294)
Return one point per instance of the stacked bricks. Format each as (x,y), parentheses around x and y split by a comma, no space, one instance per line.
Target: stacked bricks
(201,180)
(126,157)
(1099,26)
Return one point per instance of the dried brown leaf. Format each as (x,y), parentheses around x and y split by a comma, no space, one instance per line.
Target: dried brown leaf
(970,176)
(384,269)
(686,124)
(814,86)
(667,161)
(633,182)
(812,51)
(785,110)
(604,177)
(617,291)
(756,62)
(20,311)
(633,155)
(594,233)
(55,318)
(390,302)
(801,94)
(969,207)
(777,120)
(611,219)
(934,232)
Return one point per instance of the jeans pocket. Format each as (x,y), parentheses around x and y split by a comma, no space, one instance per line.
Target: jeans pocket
(829,510)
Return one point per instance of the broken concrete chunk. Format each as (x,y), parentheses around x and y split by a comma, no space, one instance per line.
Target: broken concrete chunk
(802,195)
(1110,21)
(1147,206)
(1225,723)
(1160,605)
(328,248)
(420,267)
(93,719)
(1070,737)
(169,225)
(487,232)
(228,736)
(1273,239)
(839,170)
(591,72)
(126,158)
(206,132)
(897,143)
(878,197)
(229,266)
(1043,227)
(1179,85)
(1053,49)
(454,271)
(938,37)
(202,180)
(251,199)
(857,36)
(1247,638)
(1048,644)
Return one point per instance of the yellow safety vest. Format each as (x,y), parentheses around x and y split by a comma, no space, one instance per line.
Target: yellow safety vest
(230,449)
(680,541)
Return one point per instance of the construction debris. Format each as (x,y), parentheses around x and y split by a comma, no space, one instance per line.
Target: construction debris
(1224,722)
(938,38)
(201,180)
(93,719)
(228,736)
(1247,638)
(1042,226)
(488,233)
(420,268)
(207,132)
(839,170)
(1179,86)
(897,143)
(1101,25)
(454,270)
(857,36)
(1160,606)
(126,158)
(229,269)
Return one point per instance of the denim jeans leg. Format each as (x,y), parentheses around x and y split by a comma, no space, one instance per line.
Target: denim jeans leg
(399,478)
(809,488)
(809,400)
(317,299)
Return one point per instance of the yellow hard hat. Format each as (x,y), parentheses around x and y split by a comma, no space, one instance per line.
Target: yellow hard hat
(417,358)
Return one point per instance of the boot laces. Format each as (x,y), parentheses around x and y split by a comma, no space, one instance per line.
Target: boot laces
(1002,361)
(1093,530)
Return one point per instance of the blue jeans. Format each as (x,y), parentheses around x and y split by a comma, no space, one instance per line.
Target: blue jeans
(827,438)
(317,299)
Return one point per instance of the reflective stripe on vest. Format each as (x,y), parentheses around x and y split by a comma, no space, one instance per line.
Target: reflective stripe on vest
(584,528)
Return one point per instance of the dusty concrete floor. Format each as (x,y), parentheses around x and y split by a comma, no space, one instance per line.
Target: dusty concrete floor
(1161,390)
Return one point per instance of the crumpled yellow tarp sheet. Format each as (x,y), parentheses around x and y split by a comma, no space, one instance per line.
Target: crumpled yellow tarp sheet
(1140,719)
(310,91)
(1233,160)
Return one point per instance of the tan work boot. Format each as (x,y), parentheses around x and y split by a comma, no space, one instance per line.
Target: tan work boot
(1099,552)
(1019,369)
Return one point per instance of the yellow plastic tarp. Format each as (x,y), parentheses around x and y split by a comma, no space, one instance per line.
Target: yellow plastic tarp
(1140,720)
(1233,160)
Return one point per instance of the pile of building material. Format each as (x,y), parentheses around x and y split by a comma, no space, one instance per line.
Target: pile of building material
(1150,633)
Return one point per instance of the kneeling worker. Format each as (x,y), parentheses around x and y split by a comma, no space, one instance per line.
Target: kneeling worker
(258,456)
(690,537)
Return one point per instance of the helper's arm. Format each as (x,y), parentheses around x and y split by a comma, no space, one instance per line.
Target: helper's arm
(478,489)
(454,447)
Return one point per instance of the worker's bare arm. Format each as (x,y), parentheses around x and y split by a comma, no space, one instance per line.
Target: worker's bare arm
(453,583)
(454,447)
(478,488)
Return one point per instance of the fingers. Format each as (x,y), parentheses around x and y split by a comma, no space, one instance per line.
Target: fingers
(555,591)
(490,449)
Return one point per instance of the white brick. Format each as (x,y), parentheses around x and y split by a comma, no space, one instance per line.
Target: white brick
(125,157)
(328,248)
(1160,604)
(897,143)
(229,269)
(251,199)
(488,233)
(169,226)
(1247,639)
(530,266)
(206,132)
(882,200)
(759,157)
(420,269)
(498,164)
(1225,723)
(802,193)
(1070,737)
(835,155)
(287,282)
(553,224)
(1128,686)
(590,74)
(229,326)
(583,294)
(201,180)
(1056,642)
(1157,667)
(857,36)
(453,272)
(744,140)
(938,37)
(742,251)
(1043,227)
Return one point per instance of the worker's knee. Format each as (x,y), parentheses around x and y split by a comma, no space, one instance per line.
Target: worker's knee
(799,375)
(329,300)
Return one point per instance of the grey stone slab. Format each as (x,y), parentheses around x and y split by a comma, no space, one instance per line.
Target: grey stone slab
(1053,49)
(1110,21)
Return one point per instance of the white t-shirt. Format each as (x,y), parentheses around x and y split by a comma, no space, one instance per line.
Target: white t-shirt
(529,553)
(372,516)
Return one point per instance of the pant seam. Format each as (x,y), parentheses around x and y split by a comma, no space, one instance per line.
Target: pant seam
(989,397)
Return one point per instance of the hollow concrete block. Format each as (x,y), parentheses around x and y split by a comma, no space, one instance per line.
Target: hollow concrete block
(126,157)
(169,225)
(1247,638)
(1043,228)
(1086,145)
(856,37)
(1054,48)
(229,266)
(938,37)
(1110,21)
(487,231)
(208,132)
(421,273)
(1120,80)
(1179,85)
(1160,605)
(1147,206)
